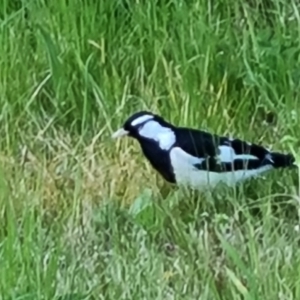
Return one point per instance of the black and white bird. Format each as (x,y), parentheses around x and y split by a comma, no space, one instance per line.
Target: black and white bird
(198,159)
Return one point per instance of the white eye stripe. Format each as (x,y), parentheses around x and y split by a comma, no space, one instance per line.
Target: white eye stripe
(141,120)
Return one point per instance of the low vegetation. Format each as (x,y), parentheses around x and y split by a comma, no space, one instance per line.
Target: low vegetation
(83,217)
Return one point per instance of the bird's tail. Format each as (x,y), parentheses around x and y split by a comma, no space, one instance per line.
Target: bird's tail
(280,160)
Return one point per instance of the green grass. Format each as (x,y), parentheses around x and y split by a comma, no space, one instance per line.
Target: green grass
(83,217)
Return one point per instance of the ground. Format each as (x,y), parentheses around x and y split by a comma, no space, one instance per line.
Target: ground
(85,217)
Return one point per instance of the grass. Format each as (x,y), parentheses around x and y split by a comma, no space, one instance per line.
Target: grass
(85,218)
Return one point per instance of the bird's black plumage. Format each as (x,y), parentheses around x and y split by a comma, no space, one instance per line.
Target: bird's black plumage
(178,152)
(159,159)
(205,145)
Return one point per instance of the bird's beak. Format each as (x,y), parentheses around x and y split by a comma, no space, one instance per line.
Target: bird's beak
(119,133)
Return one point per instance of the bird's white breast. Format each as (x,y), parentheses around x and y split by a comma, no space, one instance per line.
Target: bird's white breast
(187,174)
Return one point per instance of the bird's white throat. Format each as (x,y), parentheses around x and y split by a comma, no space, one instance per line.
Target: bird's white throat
(163,135)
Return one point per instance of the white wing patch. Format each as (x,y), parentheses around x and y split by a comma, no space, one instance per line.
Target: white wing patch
(227,154)
(187,174)
(269,158)
(141,120)
(163,135)
(181,157)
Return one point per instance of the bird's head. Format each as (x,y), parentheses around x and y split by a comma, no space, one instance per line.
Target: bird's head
(145,125)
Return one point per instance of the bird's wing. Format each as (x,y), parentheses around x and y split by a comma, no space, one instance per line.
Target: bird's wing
(221,154)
